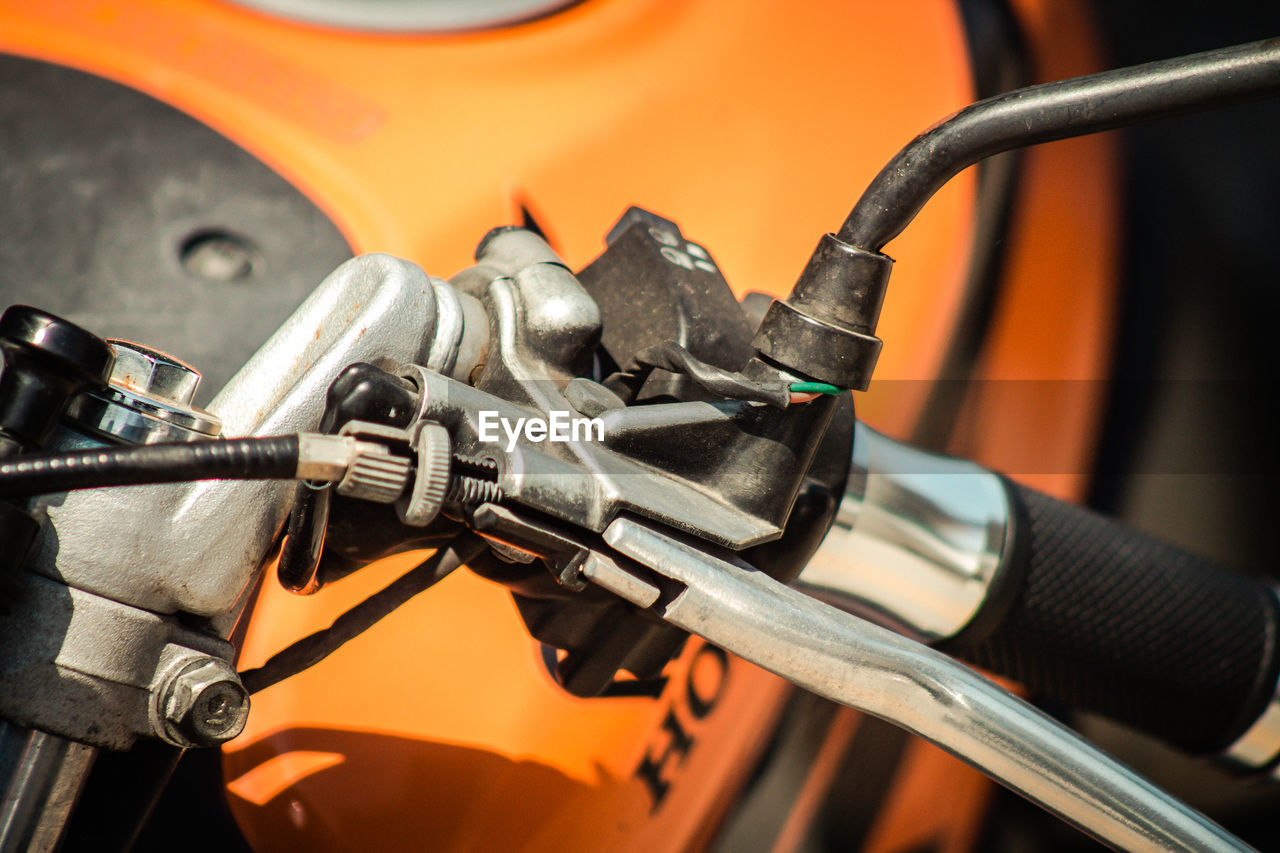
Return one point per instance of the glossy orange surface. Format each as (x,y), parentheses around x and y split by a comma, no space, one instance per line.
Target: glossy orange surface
(1037,414)
(755,126)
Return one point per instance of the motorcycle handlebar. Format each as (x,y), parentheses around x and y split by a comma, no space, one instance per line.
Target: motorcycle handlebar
(1075,606)
(1109,619)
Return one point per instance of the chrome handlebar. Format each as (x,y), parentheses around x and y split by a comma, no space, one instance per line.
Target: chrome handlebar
(916,546)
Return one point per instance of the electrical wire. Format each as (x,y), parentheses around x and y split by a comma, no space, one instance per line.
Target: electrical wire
(312,649)
(807,392)
(730,384)
(815,388)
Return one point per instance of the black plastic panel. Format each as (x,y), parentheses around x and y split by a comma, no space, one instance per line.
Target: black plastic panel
(137,221)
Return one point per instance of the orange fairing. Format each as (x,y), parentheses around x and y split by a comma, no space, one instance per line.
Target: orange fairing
(755,126)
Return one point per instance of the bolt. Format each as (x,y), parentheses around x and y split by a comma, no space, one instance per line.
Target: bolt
(205,704)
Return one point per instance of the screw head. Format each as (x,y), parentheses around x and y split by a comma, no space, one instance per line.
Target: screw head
(205,704)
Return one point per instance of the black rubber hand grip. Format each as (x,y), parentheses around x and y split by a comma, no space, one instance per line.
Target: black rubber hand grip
(1114,621)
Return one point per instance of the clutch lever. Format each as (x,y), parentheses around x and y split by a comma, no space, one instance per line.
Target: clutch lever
(869,668)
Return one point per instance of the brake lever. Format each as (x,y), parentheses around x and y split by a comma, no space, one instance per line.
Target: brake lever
(872,669)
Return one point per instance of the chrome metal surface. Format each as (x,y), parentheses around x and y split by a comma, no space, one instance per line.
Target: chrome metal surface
(148,401)
(41,776)
(917,540)
(119,417)
(409,16)
(873,669)
(148,371)
(605,571)
(196,547)
(1259,746)
(462,333)
(325,457)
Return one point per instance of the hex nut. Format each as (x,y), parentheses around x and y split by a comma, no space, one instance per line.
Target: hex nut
(205,704)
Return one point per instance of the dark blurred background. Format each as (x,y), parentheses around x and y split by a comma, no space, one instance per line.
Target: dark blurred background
(1188,449)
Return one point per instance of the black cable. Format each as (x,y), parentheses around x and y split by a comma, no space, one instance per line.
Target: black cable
(1052,111)
(312,649)
(267,458)
(299,567)
(733,385)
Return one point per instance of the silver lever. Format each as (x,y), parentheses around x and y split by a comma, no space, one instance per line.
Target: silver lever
(872,669)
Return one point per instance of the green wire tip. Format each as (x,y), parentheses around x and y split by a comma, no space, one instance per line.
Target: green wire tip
(815,388)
